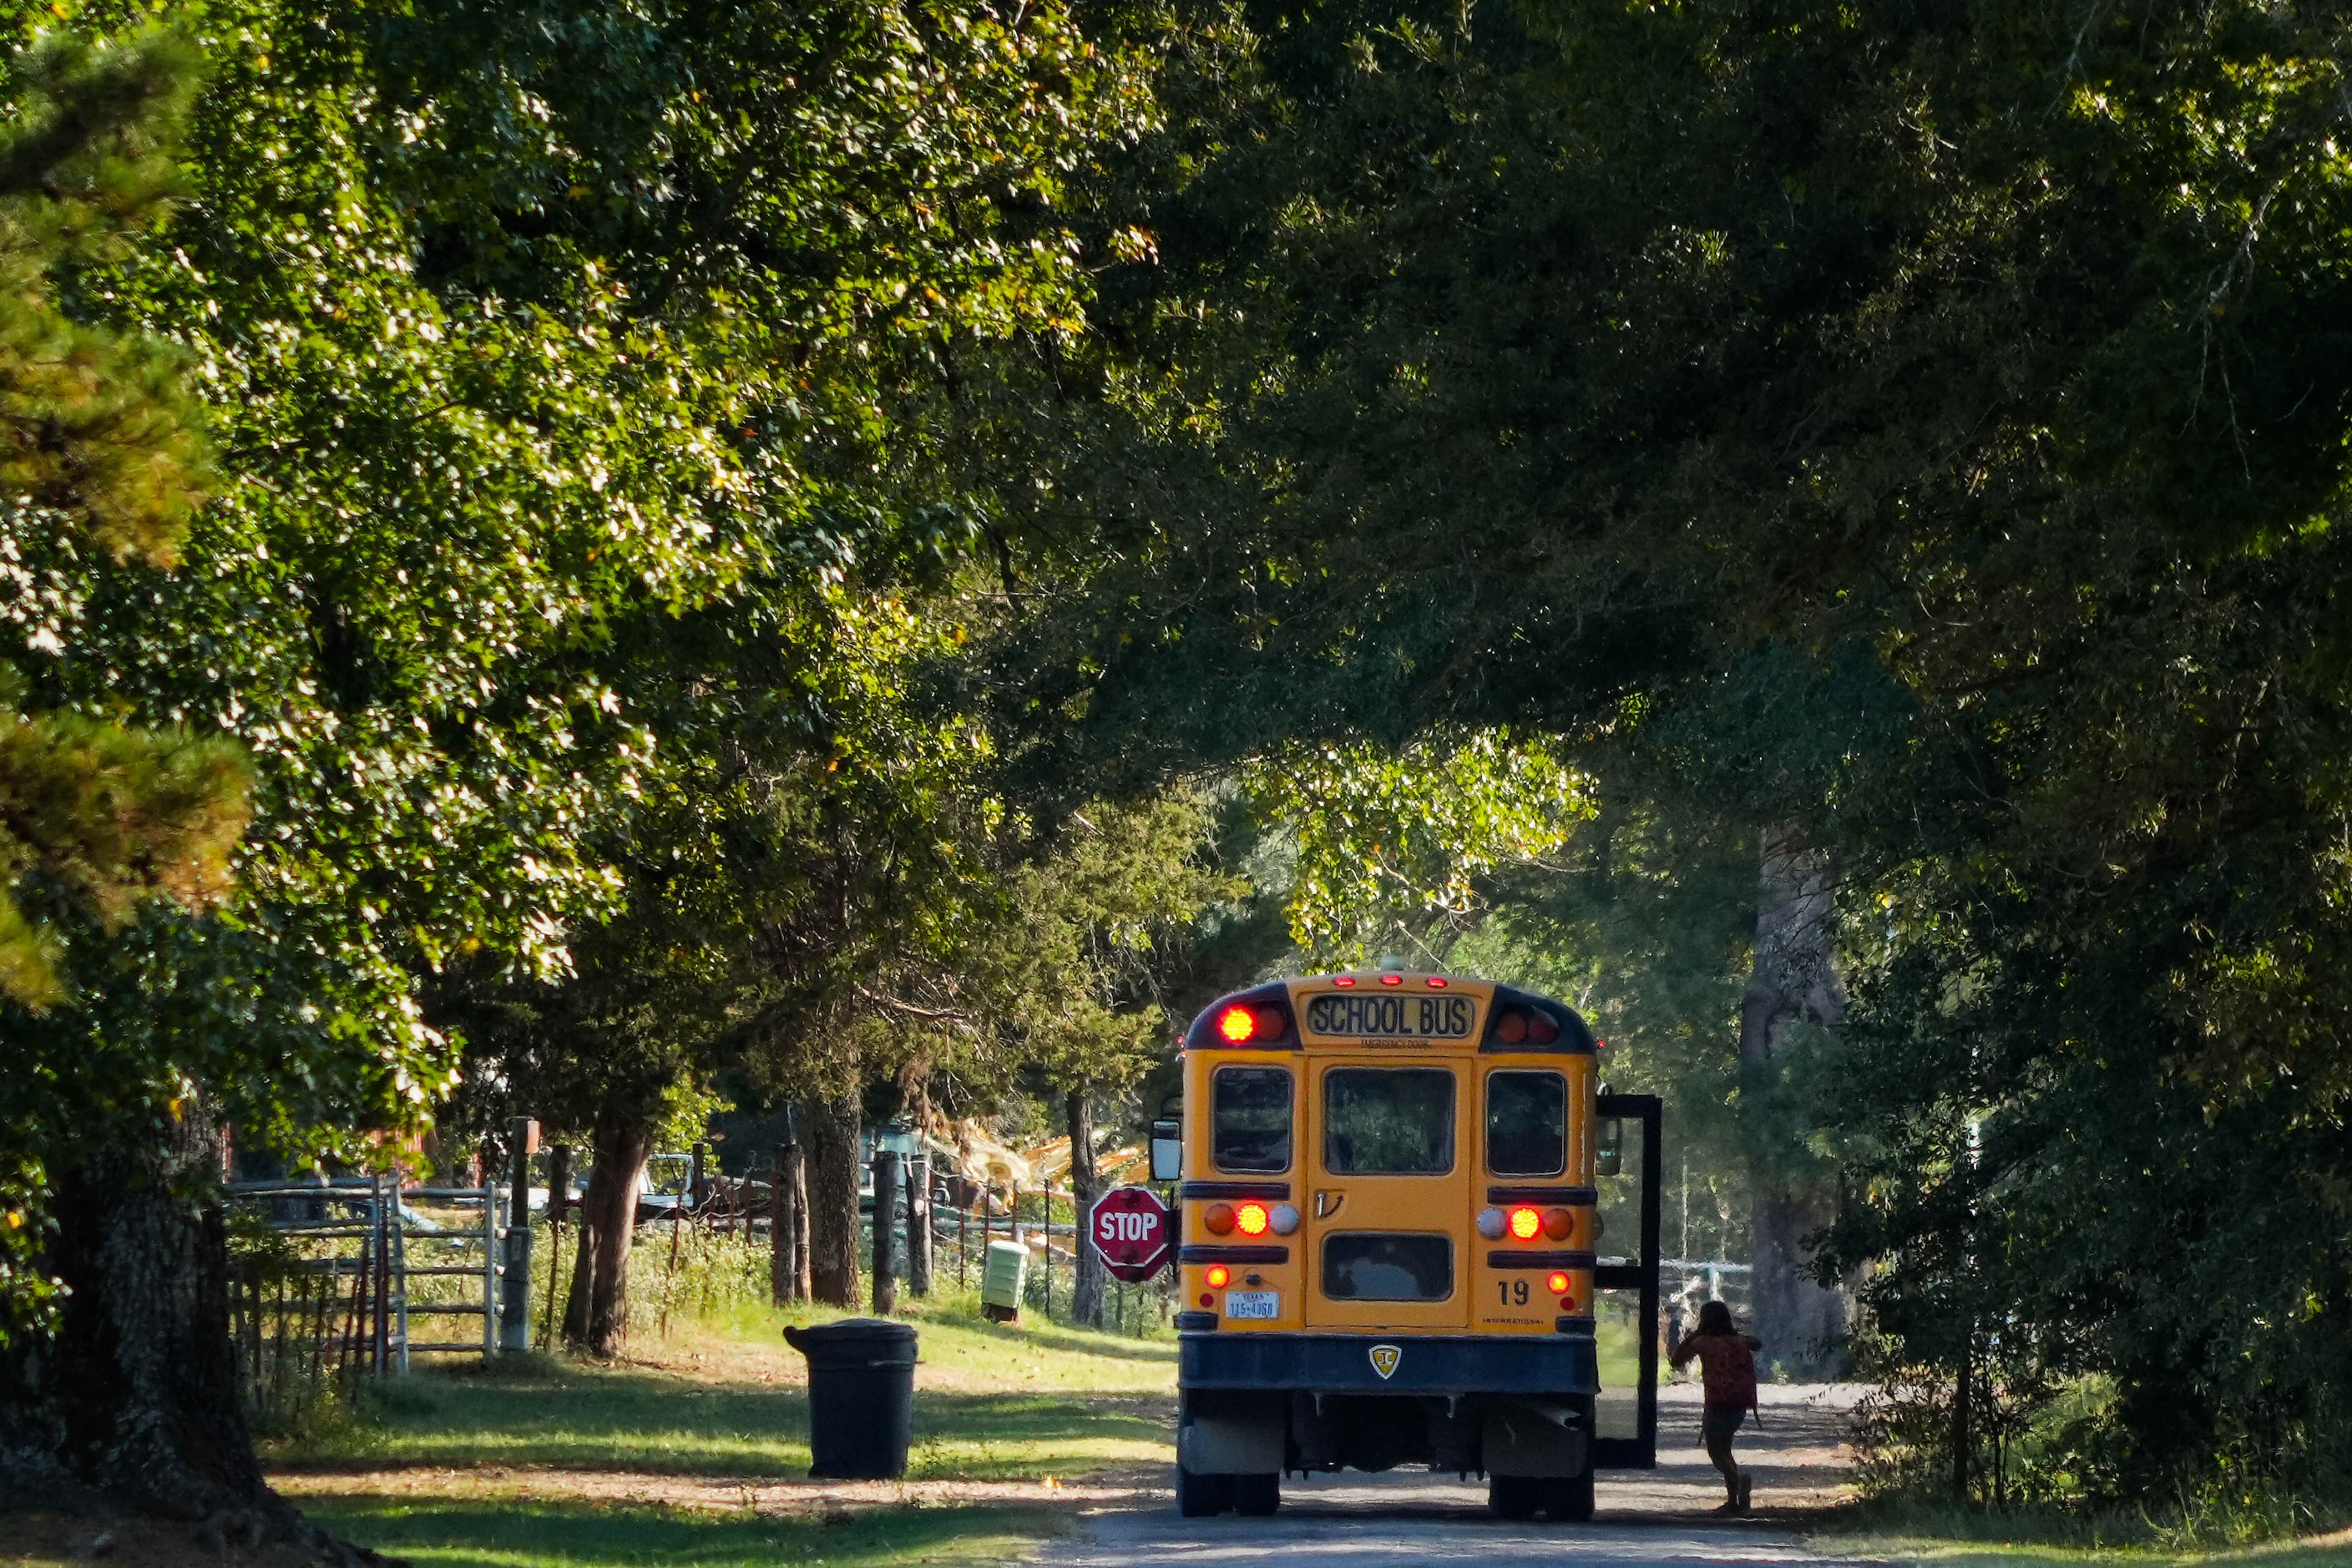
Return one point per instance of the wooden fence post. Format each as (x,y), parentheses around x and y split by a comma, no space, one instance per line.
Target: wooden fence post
(778,1228)
(796,1185)
(919,1226)
(885,1226)
(559,1193)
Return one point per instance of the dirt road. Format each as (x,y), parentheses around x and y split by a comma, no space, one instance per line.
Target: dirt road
(1405,1518)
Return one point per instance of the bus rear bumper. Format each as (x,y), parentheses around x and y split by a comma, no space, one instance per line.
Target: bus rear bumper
(1416,1363)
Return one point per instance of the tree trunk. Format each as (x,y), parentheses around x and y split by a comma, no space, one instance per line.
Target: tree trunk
(611,1211)
(1086,1185)
(584,1271)
(833,1199)
(1802,1324)
(135,1401)
(1963,1440)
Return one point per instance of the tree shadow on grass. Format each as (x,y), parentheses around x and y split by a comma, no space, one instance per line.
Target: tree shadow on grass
(474,1534)
(636,1421)
(1037,1331)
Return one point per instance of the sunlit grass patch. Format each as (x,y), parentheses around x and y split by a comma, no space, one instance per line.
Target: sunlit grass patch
(468,1535)
(1950,1537)
(992,1402)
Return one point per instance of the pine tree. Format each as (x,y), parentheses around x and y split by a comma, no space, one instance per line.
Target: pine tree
(101,448)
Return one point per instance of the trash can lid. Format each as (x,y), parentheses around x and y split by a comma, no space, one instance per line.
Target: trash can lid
(861,1339)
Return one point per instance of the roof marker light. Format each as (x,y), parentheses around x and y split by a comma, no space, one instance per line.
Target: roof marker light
(1435,983)
(1391,979)
(1343,979)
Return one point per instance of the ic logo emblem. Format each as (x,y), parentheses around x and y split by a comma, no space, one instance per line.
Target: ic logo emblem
(1385,1359)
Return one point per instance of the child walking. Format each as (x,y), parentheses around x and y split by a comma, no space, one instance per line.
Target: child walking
(1727,1359)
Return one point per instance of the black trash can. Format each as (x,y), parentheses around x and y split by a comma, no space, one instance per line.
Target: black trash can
(861,1397)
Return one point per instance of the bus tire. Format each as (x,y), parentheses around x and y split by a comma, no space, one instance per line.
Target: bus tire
(1256,1496)
(1515,1496)
(1569,1499)
(1201,1497)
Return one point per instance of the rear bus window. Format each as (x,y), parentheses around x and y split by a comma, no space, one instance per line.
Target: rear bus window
(1249,1121)
(1527,1123)
(1369,1267)
(1388,1121)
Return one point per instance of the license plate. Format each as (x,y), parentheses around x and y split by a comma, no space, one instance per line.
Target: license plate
(1252,1303)
(1369,1016)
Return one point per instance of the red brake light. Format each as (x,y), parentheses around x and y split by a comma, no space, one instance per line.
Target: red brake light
(1238,1024)
(1557,1283)
(1525,1223)
(1541,1028)
(1250,1219)
(1217,1276)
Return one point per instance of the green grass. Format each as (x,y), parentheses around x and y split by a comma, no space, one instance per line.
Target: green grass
(437,1534)
(1618,1347)
(992,1401)
(1927,1532)
(1963,1553)
(722,1399)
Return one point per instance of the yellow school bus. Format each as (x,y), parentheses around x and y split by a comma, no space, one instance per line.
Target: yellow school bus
(1388,1241)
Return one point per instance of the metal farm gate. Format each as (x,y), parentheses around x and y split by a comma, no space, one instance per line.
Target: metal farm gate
(327,1278)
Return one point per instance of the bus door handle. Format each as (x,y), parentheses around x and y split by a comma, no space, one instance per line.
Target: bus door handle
(1327,1203)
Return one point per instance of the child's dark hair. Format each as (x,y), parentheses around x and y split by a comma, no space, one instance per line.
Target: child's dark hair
(1715,1318)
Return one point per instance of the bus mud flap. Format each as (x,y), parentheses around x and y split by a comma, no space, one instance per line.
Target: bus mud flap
(1535,1439)
(1242,1436)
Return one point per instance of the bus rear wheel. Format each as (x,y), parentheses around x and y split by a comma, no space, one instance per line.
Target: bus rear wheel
(1201,1497)
(1256,1496)
(1515,1496)
(1569,1499)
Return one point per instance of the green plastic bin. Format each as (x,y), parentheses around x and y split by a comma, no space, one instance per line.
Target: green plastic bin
(1001,1281)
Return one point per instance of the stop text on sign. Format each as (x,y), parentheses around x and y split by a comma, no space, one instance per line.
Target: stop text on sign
(1128,1226)
(1131,1228)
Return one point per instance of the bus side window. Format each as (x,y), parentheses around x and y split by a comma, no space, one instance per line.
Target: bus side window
(1527,1123)
(1249,1119)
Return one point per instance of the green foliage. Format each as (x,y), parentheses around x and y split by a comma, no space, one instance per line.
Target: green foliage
(521,338)
(1392,843)
(1922,426)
